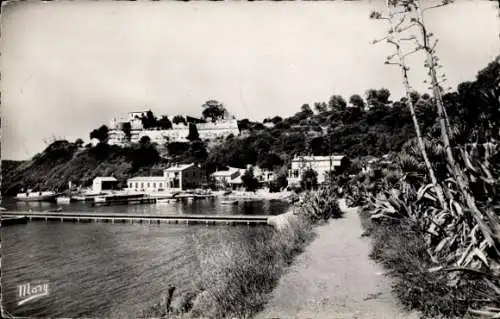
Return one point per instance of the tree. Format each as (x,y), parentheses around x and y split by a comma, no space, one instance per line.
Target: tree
(319,145)
(214,110)
(145,154)
(127,129)
(149,120)
(193,133)
(276,120)
(269,160)
(179,119)
(309,179)
(244,124)
(198,152)
(249,181)
(177,148)
(306,109)
(101,134)
(320,107)
(357,101)
(337,102)
(164,123)
(145,140)
(79,142)
(278,183)
(378,98)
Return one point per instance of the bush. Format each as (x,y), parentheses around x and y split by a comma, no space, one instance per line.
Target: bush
(321,205)
(401,249)
(237,279)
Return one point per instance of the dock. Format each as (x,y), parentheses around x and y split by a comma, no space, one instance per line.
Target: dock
(86,217)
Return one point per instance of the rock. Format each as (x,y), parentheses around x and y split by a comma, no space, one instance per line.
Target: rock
(202,305)
(183,303)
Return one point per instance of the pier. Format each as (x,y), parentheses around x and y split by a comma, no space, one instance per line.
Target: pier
(85,217)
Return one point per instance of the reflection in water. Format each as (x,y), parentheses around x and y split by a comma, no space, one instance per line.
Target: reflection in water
(103,270)
(206,207)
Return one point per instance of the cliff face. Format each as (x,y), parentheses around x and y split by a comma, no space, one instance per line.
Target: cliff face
(63,161)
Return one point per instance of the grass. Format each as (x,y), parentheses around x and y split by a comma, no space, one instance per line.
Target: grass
(236,278)
(400,248)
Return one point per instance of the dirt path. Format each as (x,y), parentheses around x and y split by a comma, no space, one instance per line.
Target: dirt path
(334,278)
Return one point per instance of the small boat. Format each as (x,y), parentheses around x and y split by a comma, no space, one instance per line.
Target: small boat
(55,210)
(3,209)
(164,201)
(229,202)
(64,200)
(99,199)
(30,196)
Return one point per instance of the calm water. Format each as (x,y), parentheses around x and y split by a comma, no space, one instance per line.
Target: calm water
(106,270)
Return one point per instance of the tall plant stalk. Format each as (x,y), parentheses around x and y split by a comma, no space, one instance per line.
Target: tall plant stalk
(456,171)
(409,102)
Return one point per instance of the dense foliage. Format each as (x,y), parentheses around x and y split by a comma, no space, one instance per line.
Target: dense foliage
(455,243)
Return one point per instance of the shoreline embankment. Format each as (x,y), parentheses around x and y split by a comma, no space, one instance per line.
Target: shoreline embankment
(237,279)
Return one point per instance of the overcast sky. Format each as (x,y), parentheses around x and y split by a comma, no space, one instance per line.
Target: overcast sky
(68,67)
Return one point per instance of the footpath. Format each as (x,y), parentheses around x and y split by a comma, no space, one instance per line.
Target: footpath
(335,278)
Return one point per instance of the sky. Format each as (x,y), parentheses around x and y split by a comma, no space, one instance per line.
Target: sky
(69,67)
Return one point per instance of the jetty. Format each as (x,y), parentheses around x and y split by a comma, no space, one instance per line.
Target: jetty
(87,217)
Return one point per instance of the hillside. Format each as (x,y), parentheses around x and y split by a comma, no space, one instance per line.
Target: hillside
(63,161)
(358,127)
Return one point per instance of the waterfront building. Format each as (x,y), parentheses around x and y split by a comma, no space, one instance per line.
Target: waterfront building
(236,183)
(184,176)
(147,183)
(222,179)
(175,178)
(100,184)
(322,165)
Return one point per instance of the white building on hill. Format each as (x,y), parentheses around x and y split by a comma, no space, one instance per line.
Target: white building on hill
(178,132)
(209,131)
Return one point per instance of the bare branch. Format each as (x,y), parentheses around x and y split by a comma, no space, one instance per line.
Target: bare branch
(406,28)
(411,52)
(393,42)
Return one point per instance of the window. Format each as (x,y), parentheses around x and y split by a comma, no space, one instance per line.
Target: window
(130,185)
(136,185)
(161,185)
(142,185)
(154,185)
(147,185)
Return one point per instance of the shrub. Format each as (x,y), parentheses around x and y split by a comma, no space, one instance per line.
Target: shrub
(237,279)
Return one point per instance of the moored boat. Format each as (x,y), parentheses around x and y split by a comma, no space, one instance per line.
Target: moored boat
(64,200)
(229,202)
(30,196)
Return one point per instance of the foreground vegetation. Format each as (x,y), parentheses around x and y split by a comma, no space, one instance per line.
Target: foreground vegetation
(236,279)
(432,209)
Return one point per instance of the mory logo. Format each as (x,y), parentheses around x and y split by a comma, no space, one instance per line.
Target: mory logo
(30,291)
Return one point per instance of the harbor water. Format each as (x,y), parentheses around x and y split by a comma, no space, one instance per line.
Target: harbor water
(106,270)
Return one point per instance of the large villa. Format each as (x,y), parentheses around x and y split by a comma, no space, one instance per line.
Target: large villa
(178,132)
